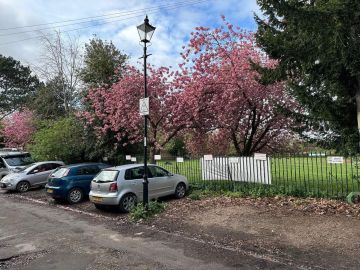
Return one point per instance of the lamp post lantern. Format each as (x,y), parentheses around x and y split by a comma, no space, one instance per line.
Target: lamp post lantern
(145,31)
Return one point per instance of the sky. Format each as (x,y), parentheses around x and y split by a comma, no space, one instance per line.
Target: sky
(174,21)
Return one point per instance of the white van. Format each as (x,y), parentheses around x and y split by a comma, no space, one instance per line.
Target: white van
(13,160)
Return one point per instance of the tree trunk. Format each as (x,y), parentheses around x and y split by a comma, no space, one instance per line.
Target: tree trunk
(236,144)
(153,151)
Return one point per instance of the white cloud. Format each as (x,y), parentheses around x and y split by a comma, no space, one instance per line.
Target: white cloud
(173,25)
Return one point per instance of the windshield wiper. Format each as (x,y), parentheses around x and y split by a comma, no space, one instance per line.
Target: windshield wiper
(102,181)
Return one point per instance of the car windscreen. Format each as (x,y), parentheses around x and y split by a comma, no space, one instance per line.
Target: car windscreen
(18,160)
(60,172)
(106,176)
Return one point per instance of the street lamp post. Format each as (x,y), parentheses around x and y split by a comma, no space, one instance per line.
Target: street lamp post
(145,31)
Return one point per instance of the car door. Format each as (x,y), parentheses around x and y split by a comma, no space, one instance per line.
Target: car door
(84,175)
(49,168)
(163,183)
(152,185)
(134,181)
(3,169)
(38,175)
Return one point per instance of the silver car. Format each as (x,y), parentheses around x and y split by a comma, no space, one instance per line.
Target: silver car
(122,186)
(12,160)
(33,175)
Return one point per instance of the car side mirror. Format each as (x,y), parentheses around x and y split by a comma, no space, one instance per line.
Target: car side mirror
(170,174)
(35,171)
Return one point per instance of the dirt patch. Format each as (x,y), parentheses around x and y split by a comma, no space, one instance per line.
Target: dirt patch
(309,232)
(293,229)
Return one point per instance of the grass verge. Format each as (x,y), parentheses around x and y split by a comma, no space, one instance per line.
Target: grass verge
(139,212)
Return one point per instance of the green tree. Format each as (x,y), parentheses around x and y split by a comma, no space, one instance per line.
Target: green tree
(176,147)
(59,140)
(106,146)
(317,45)
(17,85)
(103,63)
(47,103)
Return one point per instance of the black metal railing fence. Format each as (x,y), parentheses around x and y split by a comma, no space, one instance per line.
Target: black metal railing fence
(300,174)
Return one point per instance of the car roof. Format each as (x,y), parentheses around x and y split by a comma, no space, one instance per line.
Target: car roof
(70,166)
(46,162)
(128,166)
(12,153)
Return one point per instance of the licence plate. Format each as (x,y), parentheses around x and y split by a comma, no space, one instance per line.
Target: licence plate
(97,199)
(50,190)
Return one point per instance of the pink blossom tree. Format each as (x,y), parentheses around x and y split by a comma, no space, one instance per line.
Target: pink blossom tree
(117,108)
(215,98)
(200,143)
(18,129)
(221,92)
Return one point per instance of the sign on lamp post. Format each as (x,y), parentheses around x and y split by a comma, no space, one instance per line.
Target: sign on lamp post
(144,106)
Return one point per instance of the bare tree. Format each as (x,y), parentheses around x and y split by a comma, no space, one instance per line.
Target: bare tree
(61,61)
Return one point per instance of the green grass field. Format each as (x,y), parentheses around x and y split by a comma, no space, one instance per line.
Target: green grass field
(305,176)
(316,175)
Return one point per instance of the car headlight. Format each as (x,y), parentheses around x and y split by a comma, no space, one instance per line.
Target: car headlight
(4,180)
(8,180)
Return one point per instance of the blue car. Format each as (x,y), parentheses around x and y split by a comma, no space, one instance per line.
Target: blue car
(71,183)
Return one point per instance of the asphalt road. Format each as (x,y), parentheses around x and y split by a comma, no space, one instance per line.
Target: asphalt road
(39,237)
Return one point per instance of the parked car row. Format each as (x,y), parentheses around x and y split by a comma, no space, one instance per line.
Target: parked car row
(120,186)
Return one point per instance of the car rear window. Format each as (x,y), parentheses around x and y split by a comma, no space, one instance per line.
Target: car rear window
(106,176)
(59,172)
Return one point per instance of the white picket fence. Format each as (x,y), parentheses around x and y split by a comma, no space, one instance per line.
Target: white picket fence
(242,169)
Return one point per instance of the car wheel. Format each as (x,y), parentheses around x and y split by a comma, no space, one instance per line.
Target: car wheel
(180,190)
(23,186)
(75,195)
(127,202)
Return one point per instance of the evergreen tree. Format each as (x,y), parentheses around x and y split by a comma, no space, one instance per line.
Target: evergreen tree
(317,45)
(47,103)
(103,63)
(17,85)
